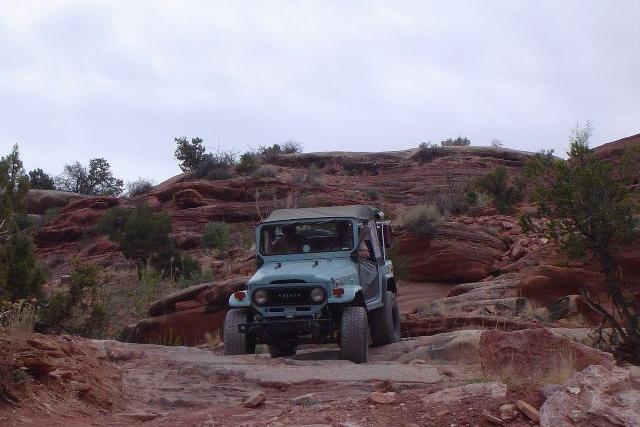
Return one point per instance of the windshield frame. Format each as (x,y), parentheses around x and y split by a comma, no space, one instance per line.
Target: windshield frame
(305,255)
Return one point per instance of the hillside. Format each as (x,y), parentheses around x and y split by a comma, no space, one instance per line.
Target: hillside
(492,317)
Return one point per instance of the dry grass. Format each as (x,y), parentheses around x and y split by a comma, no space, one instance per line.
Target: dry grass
(17,320)
(559,367)
(214,341)
(422,220)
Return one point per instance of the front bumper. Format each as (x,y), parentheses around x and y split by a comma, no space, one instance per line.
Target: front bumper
(310,330)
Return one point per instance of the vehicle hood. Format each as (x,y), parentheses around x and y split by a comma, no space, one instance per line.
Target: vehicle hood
(310,270)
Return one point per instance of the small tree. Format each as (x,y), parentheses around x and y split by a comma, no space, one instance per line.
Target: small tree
(592,210)
(460,141)
(189,153)
(496,184)
(249,163)
(95,180)
(40,180)
(496,143)
(20,275)
(145,234)
(427,151)
(217,235)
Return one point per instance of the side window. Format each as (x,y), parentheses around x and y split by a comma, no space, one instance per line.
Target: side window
(375,243)
(365,250)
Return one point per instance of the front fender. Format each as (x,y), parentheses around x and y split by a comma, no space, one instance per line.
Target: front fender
(350,292)
(237,303)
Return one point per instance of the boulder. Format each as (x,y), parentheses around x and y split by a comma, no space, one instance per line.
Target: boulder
(255,399)
(186,327)
(546,283)
(536,354)
(528,410)
(453,395)
(458,253)
(597,396)
(383,398)
(457,346)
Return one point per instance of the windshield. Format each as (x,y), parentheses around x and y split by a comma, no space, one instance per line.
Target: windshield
(307,237)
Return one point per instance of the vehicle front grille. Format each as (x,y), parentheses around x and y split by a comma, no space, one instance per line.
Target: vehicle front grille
(289,296)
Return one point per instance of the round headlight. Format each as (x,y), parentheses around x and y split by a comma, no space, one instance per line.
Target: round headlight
(317,295)
(260,297)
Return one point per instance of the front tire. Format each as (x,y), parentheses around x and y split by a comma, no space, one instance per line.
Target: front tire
(385,321)
(354,335)
(236,342)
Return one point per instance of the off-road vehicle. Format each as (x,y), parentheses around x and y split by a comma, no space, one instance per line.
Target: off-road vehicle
(322,276)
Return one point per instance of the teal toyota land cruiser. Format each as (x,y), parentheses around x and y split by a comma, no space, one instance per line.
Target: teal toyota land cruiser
(322,276)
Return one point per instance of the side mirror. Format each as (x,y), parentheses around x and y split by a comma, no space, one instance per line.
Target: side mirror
(388,235)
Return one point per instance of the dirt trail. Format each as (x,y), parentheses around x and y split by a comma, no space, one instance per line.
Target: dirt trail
(185,386)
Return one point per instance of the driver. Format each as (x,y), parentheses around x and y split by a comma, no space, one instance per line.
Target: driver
(290,242)
(344,239)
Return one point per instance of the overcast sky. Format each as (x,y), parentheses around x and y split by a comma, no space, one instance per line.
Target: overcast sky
(121,79)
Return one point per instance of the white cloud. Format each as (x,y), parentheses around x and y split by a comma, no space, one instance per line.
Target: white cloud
(80,79)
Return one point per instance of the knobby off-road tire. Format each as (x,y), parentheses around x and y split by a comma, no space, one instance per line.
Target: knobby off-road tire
(282,350)
(385,321)
(354,335)
(236,342)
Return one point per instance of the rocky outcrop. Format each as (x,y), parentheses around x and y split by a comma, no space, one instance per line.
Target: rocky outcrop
(535,354)
(38,201)
(597,396)
(61,365)
(458,253)
(186,317)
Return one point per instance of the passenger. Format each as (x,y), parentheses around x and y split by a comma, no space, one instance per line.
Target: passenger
(290,242)
(344,237)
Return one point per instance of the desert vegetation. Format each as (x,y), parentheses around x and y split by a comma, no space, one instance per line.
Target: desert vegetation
(593,209)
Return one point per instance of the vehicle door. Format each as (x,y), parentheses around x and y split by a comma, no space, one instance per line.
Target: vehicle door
(369,257)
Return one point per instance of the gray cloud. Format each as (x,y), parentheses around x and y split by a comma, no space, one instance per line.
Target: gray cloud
(122,79)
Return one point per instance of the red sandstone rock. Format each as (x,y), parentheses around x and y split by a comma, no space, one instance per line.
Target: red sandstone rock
(458,253)
(597,396)
(535,353)
(188,198)
(186,327)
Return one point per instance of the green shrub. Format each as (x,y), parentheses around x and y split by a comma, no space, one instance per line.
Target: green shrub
(248,163)
(189,153)
(217,235)
(50,214)
(423,220)
(456,142)
(56,310)
(216,166)
(426,152)
(504,195)
(113,221)
(400,264)
(139,187)
(273,153)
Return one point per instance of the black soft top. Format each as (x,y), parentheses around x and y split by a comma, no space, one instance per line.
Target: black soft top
(353,211)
